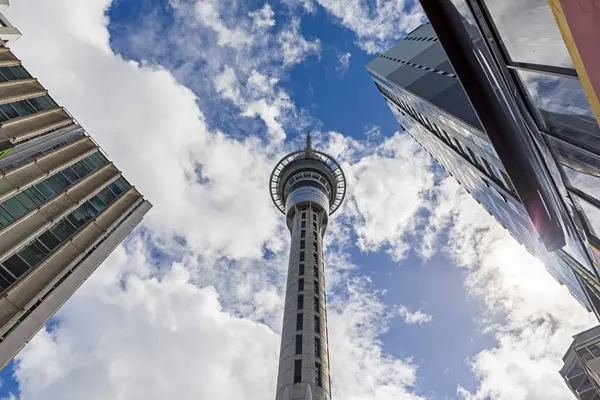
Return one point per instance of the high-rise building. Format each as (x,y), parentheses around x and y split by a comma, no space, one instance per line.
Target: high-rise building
(581,369)
(64,206)
(528,67)
(307,186)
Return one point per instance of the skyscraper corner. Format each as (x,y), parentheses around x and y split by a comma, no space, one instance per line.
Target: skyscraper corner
(306,186)
(64,206)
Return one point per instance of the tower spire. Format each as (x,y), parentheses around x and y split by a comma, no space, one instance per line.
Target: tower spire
(308,146)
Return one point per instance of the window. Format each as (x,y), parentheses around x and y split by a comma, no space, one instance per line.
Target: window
(522,44)
(317,347)
(302,244)
(300,304)
(25,201)
(317,324)
(586,355)
(317,288)
(318,374)
(6,279)
(304,215)
(595,350)
(315,258)
(300,285)
(509,184)
(29,256)
(314,225)
(315,246)
(15,265)
(34,195)
(298,344)
(302,233)
(14,208)
(299,321)
(316,272)
(317,305)
(59,233)
(70,175)
(301,269)
(297,371)
(49,240)
(303,224)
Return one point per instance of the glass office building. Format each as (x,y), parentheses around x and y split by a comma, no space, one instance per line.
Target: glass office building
(528,61)
(64,206)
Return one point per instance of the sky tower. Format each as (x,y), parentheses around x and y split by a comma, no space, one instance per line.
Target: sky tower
(306,186)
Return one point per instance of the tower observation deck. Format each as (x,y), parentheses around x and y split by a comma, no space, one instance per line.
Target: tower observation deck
(306,186)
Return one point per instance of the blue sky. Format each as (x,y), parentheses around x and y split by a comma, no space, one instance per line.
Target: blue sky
(195,102)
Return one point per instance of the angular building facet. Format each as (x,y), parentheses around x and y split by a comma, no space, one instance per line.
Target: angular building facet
(306,186)
(425,94)
(581,369)
(64,206)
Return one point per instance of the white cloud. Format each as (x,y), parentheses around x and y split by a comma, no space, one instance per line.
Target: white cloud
(344,63)
(209,13)
(293,45)
(418,317)
(379,25)
(263,18)
(389,190)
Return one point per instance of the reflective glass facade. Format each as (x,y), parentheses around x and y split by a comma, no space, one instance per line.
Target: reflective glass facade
(424,93)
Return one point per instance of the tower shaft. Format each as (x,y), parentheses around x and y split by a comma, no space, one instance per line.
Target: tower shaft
(304,355)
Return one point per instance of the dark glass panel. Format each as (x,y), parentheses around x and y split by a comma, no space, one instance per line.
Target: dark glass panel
(15,265)
(49,240)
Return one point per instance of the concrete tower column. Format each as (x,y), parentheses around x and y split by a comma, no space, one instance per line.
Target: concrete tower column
(307,186)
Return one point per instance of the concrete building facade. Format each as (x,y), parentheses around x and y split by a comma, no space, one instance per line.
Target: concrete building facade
(306,186)
(64,206)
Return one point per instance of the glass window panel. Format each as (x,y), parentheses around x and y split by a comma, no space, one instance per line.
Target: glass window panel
(36,104)
(96,160)
(85,167)
(62,180)
(20,72)
(25,201)
(59,233)
(48,188)
(115,188)
(77,219)
(563,106)
(79,169)
(15,265)
(122,183)
(9,111)
(23,107)
(32,258)
(44,103)
(89,209)
(586,355)
(49,240)
(108,195)
(8,74)
(6,279)
(592,215)
(37,246)
(97,204)
(35,196)
(5,217)
(15,208)
(70,175)
(2,77)
(66,227)
(529,32)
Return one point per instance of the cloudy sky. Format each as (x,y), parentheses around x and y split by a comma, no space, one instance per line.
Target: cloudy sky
(196,101)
